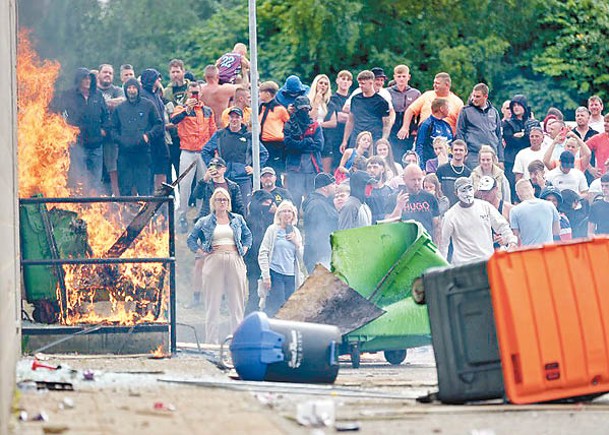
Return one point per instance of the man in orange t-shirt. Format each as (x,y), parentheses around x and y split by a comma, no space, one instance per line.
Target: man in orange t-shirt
(421,107)
(273,117)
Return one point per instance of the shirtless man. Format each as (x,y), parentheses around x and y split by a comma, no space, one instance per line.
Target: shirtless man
(214,94)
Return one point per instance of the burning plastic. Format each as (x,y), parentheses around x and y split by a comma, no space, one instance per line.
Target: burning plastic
(96,293)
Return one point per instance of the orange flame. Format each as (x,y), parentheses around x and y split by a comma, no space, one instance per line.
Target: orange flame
(42,137)
(134,292)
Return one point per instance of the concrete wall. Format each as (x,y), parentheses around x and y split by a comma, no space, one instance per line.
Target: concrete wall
(10,325)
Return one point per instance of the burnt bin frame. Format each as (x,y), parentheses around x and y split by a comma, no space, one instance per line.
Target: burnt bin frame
(165,260)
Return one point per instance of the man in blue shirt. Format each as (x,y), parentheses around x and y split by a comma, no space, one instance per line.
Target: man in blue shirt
(431,128)
(534,220)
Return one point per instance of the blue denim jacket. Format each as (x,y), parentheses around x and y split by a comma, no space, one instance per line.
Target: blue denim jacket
(204,231)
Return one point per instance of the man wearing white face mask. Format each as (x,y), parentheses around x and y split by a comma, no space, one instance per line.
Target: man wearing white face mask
(468,224)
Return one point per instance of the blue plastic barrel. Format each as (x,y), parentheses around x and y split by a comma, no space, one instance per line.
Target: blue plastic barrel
(264,349)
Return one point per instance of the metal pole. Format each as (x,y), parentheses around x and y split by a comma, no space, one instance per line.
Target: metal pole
(254,92)
(172,279)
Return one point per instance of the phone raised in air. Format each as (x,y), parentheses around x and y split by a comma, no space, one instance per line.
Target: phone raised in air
(289,229)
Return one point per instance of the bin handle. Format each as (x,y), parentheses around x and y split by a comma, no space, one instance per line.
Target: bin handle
(333,357)
(224,363)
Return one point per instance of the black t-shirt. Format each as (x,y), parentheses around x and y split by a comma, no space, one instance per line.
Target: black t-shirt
(599,215)
(334,136)
(280,194)
(447,174)
(381,202)
(368,114)
(422,207)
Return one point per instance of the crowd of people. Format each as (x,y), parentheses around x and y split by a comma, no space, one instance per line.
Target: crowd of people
(477,177)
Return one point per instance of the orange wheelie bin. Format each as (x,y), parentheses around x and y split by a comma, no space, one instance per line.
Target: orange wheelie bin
(551,307)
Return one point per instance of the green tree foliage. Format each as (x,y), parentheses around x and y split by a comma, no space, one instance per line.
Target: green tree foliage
(575,48)
(553,51)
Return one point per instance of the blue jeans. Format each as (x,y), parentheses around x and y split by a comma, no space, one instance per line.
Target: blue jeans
(282,287)
(85,173)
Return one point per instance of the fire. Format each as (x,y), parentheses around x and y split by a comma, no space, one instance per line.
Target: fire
(159,353)
(126,293)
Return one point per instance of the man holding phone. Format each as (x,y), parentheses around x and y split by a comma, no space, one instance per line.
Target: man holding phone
(413,202)
(196,125)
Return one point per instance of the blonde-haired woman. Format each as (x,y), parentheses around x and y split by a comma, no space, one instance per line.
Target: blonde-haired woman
(281,259)
(488,165)
(222,238)
(319,95)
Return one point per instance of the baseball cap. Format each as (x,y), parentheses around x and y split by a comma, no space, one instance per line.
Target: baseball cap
(302,103)
(567,159)
(236,111)
(267,170)
(378,72)
(551,190)
(463,181)
(323,179)
(217,161)
(486,183)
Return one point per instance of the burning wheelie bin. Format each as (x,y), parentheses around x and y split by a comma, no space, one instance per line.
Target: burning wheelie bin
(380,263)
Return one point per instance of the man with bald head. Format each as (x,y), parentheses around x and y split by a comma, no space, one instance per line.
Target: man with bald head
(413,202)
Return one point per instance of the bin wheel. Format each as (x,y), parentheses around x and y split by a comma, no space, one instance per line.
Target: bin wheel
(395,357)
(418,292)
(356,356)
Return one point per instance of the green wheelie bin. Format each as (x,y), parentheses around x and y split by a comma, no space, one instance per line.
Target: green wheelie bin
(380,262)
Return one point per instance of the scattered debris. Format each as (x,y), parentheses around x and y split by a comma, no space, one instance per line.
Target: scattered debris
(160,406)
(291,388)
(347,426)
(54,386)
(316,413)
(41,416)
(66,403)
(27,386)
(38,365)
(55,429)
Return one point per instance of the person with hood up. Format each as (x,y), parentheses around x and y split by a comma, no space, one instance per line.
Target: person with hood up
(355,212)
(516,131)
(320,219)
(152,90)
(136,126)
(292,89)
(83,106)
(304,141)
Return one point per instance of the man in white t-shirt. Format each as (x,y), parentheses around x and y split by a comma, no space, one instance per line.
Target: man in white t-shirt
(527,155)
(468,225)
(565,176)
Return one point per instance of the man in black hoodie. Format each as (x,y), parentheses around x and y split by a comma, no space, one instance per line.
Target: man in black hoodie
(136,128)
(151,90)
(320,219)
(83,106)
